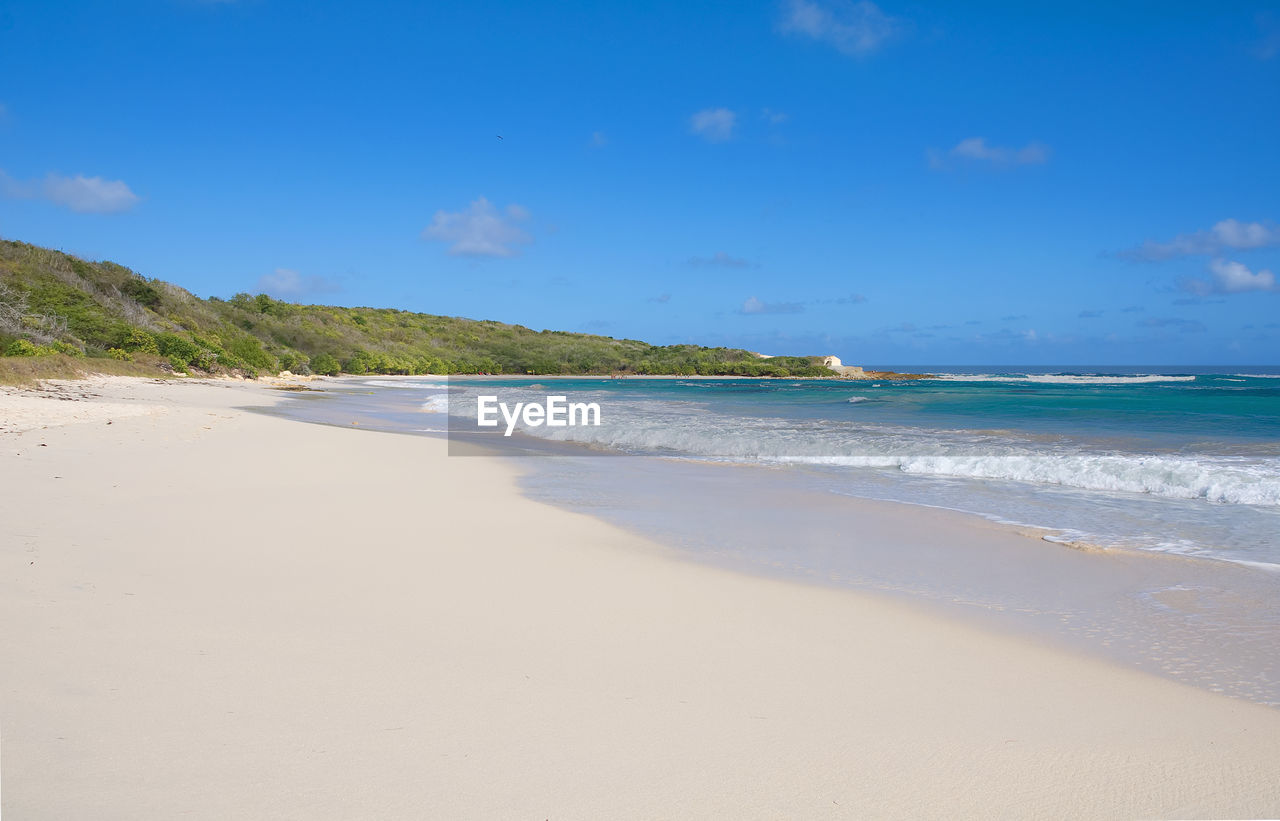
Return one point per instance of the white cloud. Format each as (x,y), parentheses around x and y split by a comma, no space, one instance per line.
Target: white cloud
(976,149)
(481,230)
(598,139)
(714,125)
(285,283)
(1229,234)
(88,195)
(92,195)
(774,117)
(1235,234)
(755,306)
(1234,278)
(853,28)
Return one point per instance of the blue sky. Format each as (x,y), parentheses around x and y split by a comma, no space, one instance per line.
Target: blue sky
(891,182)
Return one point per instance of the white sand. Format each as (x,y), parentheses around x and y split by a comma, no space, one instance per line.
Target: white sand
(55,403)
(215,614)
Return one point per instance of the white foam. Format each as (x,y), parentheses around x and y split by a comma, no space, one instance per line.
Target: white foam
(436,404)
(1064,379)
(1070,379)
(691,429)
(1177,478)
(403,383)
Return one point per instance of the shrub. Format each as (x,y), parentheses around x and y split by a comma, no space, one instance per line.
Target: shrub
(362,363)
(122,355)
(22,347)
(66,348)
(325,365)
(138,340)
(289,361)
(249,350)
(141,292)
(177,347)
(179,364)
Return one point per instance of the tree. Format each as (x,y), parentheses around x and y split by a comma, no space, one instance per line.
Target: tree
(325,365)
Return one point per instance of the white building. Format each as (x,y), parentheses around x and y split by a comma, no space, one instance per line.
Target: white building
(834,363)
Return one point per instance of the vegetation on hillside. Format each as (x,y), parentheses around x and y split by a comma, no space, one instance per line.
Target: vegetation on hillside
(29,371)
(53,303)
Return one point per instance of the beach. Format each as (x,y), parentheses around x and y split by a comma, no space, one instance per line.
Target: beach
(214,613)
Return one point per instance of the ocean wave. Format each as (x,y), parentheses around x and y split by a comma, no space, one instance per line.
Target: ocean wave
(692,429)
(1070,379)
(436,404)
(856,399)
(1064,379)
(403,383)
(1176,478)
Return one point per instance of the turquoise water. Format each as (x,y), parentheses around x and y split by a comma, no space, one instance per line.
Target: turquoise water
(1162,459)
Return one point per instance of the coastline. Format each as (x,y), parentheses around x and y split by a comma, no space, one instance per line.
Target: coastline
(228,614)
(887,376)
(1206,621)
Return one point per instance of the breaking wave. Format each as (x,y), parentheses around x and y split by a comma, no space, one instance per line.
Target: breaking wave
(1062,379)
(436,404)
(692,430)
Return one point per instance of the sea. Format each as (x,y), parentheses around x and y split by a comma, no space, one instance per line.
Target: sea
(1149,496)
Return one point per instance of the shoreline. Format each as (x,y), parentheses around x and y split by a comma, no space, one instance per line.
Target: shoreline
(1126,605)
(869,376)
(1106,602)
(389,631)
(1055,535)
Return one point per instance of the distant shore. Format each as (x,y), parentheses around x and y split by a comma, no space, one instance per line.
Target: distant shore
(30,370)
(213,612)
(869,375)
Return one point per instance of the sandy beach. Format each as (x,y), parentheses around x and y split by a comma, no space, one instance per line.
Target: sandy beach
(211,613)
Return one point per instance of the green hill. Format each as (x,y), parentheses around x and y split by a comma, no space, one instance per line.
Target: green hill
(53,303)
